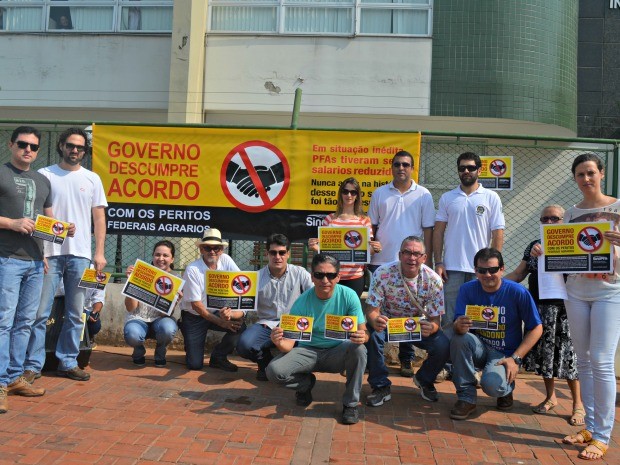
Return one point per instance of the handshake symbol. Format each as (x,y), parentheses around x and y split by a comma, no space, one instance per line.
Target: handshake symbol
(241,178)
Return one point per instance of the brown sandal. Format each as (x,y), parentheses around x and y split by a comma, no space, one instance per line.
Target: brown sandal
(595,448)
(578,417)
(581,437)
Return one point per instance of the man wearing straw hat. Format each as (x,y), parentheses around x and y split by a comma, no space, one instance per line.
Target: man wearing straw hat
(196,319)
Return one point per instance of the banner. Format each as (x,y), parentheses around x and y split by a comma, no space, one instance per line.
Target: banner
(177,181)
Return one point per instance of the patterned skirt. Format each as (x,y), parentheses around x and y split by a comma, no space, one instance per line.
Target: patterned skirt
(553,355)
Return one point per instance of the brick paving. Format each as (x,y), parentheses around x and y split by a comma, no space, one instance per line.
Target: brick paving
(129,415)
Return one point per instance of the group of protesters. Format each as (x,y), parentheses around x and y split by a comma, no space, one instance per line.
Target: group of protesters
(427,264)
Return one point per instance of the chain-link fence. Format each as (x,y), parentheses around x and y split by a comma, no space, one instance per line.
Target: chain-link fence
(541,176)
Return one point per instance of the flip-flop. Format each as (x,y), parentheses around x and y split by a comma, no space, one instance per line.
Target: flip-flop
(544,407)
(578,417)
(595,447)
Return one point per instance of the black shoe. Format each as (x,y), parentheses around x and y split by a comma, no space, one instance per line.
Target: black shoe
(350,415)
(505,403)
(139,362)
(304,398)
(462,410)
(160,363)
(261,375)
(427,392)
(223,364)
(379,396)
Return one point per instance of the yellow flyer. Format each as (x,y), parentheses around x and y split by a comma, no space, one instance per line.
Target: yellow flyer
(496,173)
(340,327)
(483,317)
(236,290)
(50,229)
(153,287)
(577,248)
(348,245)
(298,328)
(92,279)
(404,329)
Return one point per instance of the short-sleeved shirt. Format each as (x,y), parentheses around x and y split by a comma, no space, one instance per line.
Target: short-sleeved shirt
(398,215)
(516,310)
(470,220)
(23,194)
(276,296)
(388,293)
(343,302)
(194,276)
(348,270)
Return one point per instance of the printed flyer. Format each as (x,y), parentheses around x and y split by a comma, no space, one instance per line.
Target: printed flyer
(233,289)
(50,229)
(348,245)
(483,317)
(298,328)
(404,329)
(340,327)
(92,279)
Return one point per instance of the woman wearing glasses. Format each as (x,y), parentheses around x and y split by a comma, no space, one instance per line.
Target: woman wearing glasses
(349,213)
(553,356)
(593,308)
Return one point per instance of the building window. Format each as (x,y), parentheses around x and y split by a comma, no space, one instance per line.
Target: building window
(86,16)
(322,17)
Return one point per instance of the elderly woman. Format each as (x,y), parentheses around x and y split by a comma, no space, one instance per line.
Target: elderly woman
(553,356)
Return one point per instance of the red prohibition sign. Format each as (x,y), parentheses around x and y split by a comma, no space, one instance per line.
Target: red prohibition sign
(352,239)
(100,277)
(163,285)
(497,167)
(590,239)
(58,228)
(347,324)
(241,284)
(302,324)
(488,313)
(410,324)
(255,185)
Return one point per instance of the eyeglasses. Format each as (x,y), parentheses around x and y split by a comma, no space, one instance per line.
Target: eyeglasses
(281,253)
(208,248)
(320,275)
(409,254)
(70,147)
(23,145)
(552,219)
(468,168)
(349,192)
(398,164)
(490,269)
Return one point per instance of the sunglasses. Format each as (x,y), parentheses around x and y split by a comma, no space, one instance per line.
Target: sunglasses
(547,219)
(398,164)
(490,269)
(409,254)
(208,248)
(70,147)
(349,192)
(281,253)
(320,275)
(468,168)
(23,145)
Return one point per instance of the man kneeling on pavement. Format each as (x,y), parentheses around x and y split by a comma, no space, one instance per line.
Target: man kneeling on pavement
(498,352)
(294,368)
(406,288)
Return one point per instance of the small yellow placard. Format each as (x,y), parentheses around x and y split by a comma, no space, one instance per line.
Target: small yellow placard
(92,279)
(404,329)
(298,328)
(483,317)
(348,245)
(340,327)
(234,289)
(50,229)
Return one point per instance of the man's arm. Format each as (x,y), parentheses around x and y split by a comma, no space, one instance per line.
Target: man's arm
(430,326)
(531,337)
(282,344)
(232,324)
(428,243)
(100,230)
(20,225)
(438,235)
(375,319)
(497,239)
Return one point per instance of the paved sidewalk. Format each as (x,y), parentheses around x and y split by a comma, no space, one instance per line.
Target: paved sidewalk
(129,415)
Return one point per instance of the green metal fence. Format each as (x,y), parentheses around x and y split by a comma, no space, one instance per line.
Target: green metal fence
(541,176)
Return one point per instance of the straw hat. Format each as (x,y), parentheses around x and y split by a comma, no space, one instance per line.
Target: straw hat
(211,236)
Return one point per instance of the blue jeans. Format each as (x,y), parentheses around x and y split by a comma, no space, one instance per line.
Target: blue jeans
(436,345)
(254,343)
(194,329)
(450,292)
(469,353)
(20,292)
(162,330)
(69,269)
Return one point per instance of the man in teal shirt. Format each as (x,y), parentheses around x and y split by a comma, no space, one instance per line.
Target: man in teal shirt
(295,366)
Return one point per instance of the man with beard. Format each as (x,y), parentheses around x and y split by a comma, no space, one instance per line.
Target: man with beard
(469,218)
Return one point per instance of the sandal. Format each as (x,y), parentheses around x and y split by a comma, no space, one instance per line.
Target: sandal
(545,407)
(578,417)
(595,450)
(581,437)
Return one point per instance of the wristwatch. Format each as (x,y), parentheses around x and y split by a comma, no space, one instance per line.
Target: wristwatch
(518,360)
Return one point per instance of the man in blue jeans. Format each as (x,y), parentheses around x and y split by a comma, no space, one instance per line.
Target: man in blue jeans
(406,288)
(497,351)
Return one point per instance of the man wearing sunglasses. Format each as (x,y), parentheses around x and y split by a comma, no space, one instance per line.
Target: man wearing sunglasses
(295,366)
(24,194)
(78,198)
(496,348)
(197,319)
(279,285)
